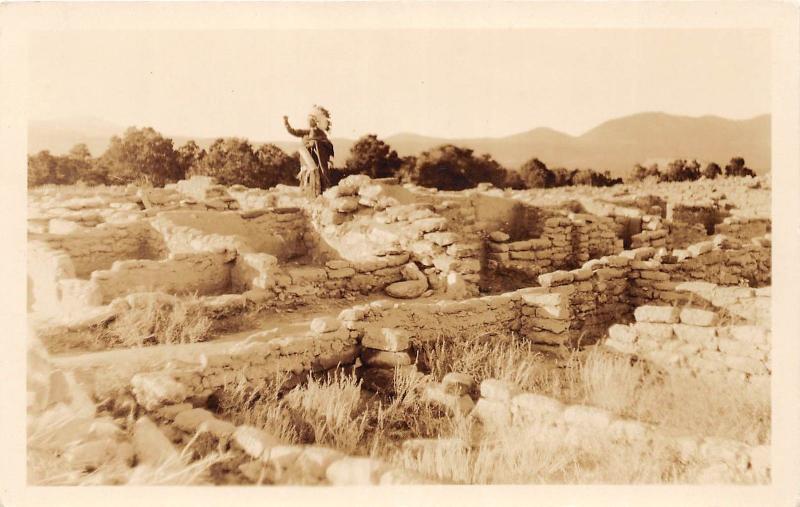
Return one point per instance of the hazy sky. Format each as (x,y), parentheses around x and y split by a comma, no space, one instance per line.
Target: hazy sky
(449,83)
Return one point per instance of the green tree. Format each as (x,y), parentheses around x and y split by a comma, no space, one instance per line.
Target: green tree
(407,167)
(536,174)
(232,161)
(276,166)
(514,180)
(140,154)
(737,168)
(45,168)
(641,173)
(712,170)
(450,167)
(563,177)
(189,156)
(80,152)
(42,169)
(681,170)
(485,168)
(373,157)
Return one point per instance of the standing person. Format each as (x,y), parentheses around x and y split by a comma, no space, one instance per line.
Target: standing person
(316,141)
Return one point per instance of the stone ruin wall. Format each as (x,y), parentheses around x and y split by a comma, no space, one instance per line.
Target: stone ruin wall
(731,337)
(445,236)
(101,246)
(570,307)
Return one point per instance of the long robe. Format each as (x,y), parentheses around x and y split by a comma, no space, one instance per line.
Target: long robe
(320,148)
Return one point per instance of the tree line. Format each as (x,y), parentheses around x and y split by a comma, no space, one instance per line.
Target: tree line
(144,155)
(681,170)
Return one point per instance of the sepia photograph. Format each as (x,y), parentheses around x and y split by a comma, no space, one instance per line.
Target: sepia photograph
(401,254)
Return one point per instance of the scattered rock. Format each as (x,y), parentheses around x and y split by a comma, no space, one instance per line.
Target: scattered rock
(325,325)
(152,390)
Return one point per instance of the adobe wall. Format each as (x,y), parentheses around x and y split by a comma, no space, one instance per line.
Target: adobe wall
(275,231)
(195,273)
(101,246)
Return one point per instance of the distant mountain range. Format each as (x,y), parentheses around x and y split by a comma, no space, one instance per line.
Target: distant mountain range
(615,145)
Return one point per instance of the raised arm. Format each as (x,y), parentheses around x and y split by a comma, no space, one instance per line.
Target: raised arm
(294,132)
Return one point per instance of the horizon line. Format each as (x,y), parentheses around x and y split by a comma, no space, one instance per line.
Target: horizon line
(396,134)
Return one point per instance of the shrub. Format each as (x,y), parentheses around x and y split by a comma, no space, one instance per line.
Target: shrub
(277,166)
(233,161)
(593,178)
(373,157)
(140,154)
(189,156)
(737,168)
(563,177)
(47,169)
(449,167)
(680,170)
(535,174)
(711,171)
(641,173)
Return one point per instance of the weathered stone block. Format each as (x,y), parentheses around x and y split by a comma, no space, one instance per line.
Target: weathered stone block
(654,331)
(530,408)
(705,336)
(698,317)
(662,314)
(555,278)
(325,325)
(750,334)
(499,236)
(152,390)
(552,325)
(388,339)
(494,414)
(622,333)
(191,419)
(438,394)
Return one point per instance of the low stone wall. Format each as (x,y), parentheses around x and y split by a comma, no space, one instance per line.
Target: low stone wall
(701,340)
(566,242)
(719,261)
(99,247)
(202,273)
(707,215)
(444,319)
(502,405)
(744,228)
(275,231)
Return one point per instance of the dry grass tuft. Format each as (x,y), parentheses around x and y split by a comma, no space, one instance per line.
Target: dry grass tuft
(158,322)
(500,357)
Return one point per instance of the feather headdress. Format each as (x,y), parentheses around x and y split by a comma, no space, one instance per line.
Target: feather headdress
(321,116)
